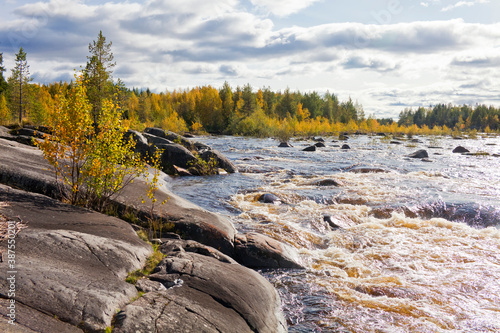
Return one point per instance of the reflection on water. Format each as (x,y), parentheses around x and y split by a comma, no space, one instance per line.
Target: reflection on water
(398,263)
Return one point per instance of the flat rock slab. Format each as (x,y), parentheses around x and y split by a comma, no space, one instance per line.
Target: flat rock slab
(182,217)
(210,295)
(24,167)
(71,262)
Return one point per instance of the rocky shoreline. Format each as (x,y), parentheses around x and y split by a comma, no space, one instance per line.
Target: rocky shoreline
(71,263)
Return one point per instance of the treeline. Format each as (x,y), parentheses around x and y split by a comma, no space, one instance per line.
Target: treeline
(465,117)
(227,110)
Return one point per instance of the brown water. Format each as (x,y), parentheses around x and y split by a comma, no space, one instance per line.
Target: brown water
(418,249)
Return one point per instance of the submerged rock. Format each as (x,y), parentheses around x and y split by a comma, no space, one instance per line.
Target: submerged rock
(326,182)
(368,170)
(285,145)
(269,198)
(328,219)
(419,154)
(460,149)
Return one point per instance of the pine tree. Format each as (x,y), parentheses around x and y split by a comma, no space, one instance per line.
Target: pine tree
(97,75)
(19,84)
(3,83)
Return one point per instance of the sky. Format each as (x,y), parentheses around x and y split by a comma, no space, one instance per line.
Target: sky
(385,54)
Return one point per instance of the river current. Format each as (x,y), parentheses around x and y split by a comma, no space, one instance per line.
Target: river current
(418,243)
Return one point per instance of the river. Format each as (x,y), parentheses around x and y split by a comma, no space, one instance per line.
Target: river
(418,248)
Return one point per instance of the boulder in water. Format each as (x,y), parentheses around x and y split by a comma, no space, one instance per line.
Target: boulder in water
(205,293)
(320,144)
(326,182)
(328,219)
(345,147)
(311,148)
(460,149)
(262,252)
(285,145)
(422,153)
(269,198)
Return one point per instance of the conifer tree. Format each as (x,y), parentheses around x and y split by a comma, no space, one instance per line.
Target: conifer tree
(97,75)
(3,83)
(19,84)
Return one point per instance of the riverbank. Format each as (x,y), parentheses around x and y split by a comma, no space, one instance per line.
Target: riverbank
(78,260)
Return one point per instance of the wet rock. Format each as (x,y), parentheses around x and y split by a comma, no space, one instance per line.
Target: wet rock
(269,198)
(343,137)
(74,261)
(328,219)
(345,147)
(262,252)
(368,170)
(419,154)
(416,141)
(355,201)
(426,160)
(319,139)
(222,161)
(326,182)
(189,135)
(311,148)
(320,144)
(208,296)
(460,149)
(285,145)
(394,142)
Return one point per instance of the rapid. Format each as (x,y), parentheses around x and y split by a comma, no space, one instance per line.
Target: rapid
(390,243)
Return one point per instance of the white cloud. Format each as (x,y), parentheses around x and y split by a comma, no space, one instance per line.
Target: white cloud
(283,7)
(463,4)
(167,44)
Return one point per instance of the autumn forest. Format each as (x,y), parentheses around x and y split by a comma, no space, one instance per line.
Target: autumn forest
(226,110)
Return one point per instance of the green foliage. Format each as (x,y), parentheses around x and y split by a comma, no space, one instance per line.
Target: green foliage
(95,165)
(202,167)
(151,263)
(3,83)
(458,118)
(5,115)
(19,85)
(97,73)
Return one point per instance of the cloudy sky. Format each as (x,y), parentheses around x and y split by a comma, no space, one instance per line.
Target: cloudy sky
(386,54)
